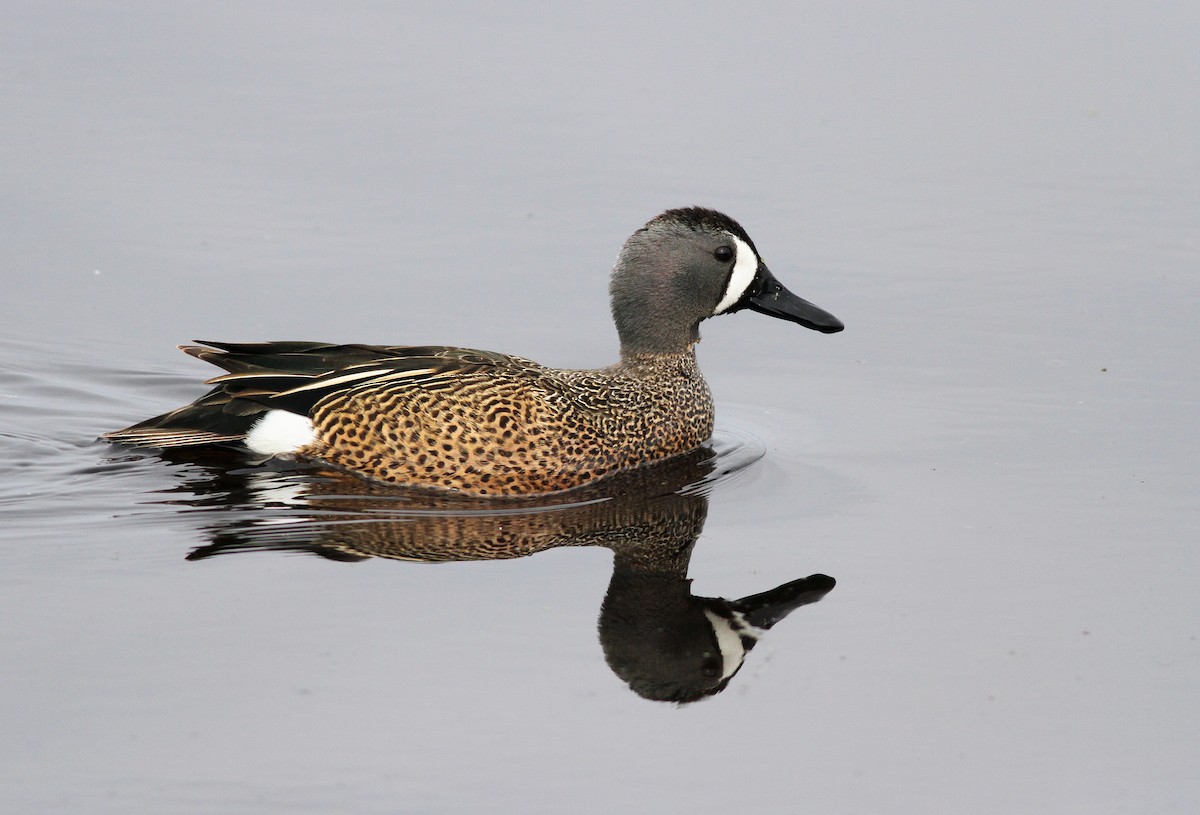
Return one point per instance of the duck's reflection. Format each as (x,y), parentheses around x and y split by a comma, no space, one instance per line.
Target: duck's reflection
(663,641)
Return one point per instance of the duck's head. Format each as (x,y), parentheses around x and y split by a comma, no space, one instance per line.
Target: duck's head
(690,264)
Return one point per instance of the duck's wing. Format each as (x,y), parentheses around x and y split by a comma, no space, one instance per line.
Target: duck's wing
(294,376)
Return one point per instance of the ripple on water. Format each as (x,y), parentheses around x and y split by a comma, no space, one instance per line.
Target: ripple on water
(55,475)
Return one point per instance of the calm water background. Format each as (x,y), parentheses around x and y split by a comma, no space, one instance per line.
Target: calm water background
(997,460)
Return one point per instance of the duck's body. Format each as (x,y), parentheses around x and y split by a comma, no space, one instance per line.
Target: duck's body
(454,418)
(490,424)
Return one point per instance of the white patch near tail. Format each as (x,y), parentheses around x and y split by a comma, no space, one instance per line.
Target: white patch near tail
(744,269)
(280,431)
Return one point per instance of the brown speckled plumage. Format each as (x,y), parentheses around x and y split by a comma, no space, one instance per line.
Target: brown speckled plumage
(513,427)
(489,424)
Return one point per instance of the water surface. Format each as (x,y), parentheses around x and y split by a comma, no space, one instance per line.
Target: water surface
(996,459)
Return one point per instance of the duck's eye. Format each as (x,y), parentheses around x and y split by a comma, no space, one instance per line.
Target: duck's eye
(723,254)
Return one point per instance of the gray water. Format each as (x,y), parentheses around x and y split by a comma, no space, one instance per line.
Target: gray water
(996,461)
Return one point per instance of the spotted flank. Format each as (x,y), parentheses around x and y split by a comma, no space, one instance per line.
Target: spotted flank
(490,424)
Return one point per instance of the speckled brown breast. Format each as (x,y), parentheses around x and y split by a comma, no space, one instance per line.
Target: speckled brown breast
(518,428)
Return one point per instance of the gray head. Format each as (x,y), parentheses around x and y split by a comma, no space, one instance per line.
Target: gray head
(690,264)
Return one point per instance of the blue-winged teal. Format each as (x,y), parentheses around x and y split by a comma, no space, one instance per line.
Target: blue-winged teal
(491,424)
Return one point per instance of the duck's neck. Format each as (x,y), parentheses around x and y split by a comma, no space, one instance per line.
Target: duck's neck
(672,365)
(644,329)
(637,358)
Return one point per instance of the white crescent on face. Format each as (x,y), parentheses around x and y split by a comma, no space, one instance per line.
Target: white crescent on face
(744,268)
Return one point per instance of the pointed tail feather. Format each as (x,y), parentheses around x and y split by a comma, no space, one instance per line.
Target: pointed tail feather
(212,419)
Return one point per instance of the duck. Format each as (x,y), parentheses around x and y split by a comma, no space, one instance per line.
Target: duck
(486,424)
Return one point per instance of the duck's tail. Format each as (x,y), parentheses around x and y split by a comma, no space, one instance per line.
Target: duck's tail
(225,415)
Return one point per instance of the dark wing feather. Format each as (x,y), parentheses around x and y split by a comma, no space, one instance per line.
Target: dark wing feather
(294,376)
